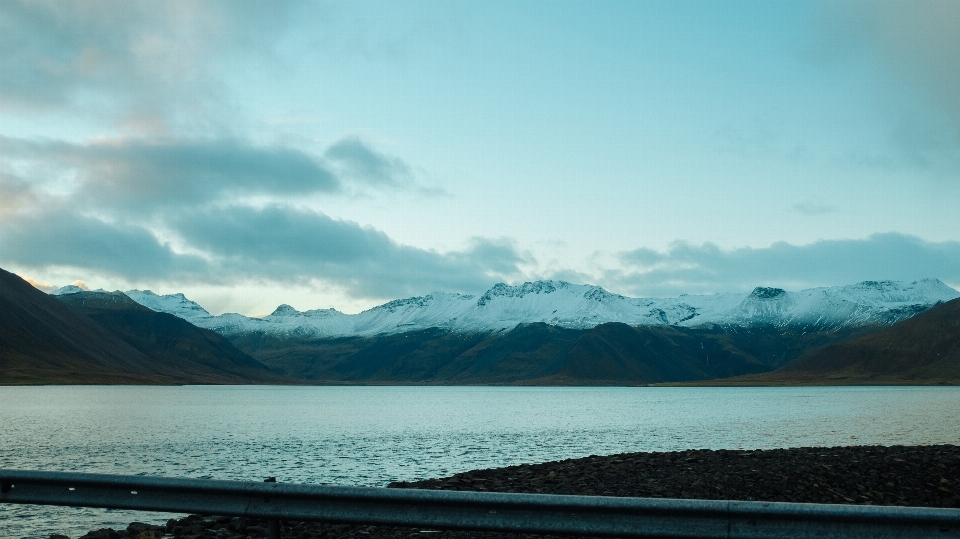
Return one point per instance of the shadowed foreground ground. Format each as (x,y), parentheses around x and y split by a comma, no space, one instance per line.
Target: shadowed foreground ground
(913,476)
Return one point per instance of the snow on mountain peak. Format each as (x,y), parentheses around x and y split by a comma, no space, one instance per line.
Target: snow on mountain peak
(74,289)
(176,304)
(284,310)
(69,289)
(394,305)
(579,306)
(597,293)
(896,293)
(323,313)
(764,305)
(762,292)
(503,290)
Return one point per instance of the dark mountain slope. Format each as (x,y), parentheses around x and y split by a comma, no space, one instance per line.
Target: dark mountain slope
(775,347)
(521,355)
(924,349)
(99,338)
(175,346)
(609,354)
(45,341)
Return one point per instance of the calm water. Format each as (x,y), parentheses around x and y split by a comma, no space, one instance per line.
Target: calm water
(374,435)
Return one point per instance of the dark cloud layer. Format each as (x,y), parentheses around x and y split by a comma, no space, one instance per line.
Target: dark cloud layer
(239,243)
(68,239)
(687,268)
(148,173)
(175,171)
(104,207)
(283,243)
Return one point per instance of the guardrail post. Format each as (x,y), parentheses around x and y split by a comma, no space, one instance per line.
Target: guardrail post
(274,529)
(274,523)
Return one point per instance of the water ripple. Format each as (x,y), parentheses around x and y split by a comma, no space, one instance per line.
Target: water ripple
(374,435)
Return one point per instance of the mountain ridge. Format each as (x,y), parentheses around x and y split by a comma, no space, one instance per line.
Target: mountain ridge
(719,336)
(175,346)
(106,338)
(43,340)
(563,304)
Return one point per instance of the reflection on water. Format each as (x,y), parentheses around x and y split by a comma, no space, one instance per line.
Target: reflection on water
(374,435)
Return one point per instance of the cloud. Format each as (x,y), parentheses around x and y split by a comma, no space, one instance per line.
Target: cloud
(15,193)
(688,268)
(67,239)
(917,45)
(143,173)
(44,286)
(219,211)
(360,162)
(281,243)
(236,244)
(918,39)
(195,171)
(145,59)
(497,256)
(811,208)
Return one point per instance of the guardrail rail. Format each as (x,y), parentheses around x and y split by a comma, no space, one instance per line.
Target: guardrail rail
(596,516)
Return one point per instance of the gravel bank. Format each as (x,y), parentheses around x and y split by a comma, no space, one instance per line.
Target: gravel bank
(914,476)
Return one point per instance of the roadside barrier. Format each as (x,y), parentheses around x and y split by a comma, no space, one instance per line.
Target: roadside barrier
(486,511)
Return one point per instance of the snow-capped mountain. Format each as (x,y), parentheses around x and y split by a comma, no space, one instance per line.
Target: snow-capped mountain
(175,304)
(580,306)
(72,289)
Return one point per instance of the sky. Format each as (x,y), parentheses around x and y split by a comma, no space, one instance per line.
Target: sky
(342,154)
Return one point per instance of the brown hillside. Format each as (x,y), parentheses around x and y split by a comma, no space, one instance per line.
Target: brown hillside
(922,350)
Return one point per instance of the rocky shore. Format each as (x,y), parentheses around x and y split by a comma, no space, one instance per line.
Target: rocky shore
(912,476)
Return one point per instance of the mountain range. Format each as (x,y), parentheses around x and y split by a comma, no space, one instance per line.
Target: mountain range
(544,332)
(554,332)
(566,305)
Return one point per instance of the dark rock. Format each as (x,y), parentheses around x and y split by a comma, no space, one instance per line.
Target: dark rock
(191,528)
(102,533)
(139,530)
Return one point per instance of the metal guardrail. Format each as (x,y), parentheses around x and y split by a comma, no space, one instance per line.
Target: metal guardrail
(501,512)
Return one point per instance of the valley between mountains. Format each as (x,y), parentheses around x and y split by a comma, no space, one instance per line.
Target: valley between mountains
(542,333)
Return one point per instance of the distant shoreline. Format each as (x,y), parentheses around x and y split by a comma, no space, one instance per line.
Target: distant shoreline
(698,383)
